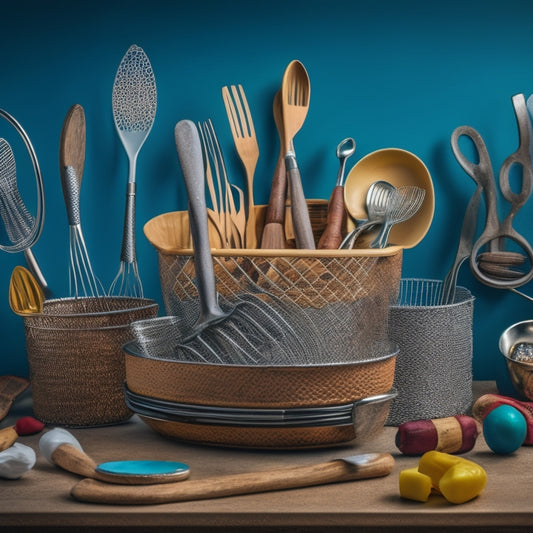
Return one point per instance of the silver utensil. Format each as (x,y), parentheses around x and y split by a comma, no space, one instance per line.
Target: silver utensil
(22,228)
(82,280)
(466,241)
(245,331)
(404,204)
(378,200)
(134,103)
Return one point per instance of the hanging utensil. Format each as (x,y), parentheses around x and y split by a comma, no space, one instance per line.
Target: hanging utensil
(331,238)
(72,141)
(244,138)
(273,237)
(295,93)
(466,241)
(481,173)
(245,331)
(10,196)
(134,103)
(26,295)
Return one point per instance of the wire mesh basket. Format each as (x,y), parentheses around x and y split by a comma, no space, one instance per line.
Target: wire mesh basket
(75,357)
(434,366)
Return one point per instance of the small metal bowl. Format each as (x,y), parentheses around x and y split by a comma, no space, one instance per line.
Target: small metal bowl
(520,371)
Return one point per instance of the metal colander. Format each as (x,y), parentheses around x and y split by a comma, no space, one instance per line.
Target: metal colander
(434,366)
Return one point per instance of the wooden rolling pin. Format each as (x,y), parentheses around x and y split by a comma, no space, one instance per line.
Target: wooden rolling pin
(346,469)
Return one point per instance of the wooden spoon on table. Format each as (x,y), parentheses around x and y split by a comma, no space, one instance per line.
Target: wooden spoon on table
(273,237)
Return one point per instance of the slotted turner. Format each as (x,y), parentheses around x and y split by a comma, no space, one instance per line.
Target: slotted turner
(134,102)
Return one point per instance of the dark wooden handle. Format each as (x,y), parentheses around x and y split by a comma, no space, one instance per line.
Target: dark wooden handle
(89,490)
(275,212)
(336,221)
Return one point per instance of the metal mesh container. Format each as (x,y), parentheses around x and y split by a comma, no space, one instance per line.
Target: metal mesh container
(434,366)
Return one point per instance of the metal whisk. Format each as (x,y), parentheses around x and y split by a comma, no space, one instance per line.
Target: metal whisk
(82,280)
(134,106)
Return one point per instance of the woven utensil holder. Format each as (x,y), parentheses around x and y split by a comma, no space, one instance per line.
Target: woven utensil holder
(76,362)
(434,366)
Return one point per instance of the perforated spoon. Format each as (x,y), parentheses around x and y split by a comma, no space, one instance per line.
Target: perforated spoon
(26,296)
(134,105)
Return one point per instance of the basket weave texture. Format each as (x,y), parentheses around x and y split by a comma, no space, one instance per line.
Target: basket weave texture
(77,369)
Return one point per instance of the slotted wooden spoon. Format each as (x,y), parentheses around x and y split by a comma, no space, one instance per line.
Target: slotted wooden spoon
(295,93)
(26,296)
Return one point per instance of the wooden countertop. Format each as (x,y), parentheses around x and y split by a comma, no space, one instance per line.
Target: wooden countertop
(41,497)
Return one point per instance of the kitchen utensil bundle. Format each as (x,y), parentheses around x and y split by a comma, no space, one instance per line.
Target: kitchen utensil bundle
(245,331)
(134,106)
(434,366)
(23,228)
(495,266)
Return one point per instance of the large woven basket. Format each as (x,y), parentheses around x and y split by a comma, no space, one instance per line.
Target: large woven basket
(75,357)
(344,294)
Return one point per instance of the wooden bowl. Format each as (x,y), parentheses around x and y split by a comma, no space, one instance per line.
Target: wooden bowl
(398,167)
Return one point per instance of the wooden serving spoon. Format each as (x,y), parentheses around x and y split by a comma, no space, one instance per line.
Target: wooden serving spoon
(26,296)
(295,94)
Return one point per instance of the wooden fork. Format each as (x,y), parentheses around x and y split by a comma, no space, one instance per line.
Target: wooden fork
(242,129)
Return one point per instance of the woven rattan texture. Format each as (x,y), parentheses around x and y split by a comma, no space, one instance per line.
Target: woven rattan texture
(263,387)
(77,369)
(434,365)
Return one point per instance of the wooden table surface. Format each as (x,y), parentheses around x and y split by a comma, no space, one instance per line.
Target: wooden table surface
(41,501)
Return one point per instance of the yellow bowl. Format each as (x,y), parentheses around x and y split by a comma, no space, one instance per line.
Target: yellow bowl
(398,167)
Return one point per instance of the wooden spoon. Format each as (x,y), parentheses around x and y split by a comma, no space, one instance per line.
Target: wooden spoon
(26,296)
(274,232)
(295,93)
(72,141)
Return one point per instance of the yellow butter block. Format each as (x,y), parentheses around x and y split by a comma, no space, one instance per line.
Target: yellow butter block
(434,464)
(414,485)
(462,482)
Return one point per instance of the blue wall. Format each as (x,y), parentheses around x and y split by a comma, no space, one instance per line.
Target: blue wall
(388,73)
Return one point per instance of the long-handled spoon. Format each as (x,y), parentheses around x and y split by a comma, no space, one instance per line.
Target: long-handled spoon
(331,238)
(26,296)
(134,105)
(295,93)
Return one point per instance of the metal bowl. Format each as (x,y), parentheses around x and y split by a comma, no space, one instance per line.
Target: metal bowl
(520,372)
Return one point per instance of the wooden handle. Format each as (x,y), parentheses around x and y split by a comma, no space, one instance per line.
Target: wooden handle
(377,465)
(72,141)
(331,238)
(74,460)
(276,205)
(7,437)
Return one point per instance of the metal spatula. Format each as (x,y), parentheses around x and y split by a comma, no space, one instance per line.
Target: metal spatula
(134,107)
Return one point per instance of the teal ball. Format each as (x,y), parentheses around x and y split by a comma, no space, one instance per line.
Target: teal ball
(504,429)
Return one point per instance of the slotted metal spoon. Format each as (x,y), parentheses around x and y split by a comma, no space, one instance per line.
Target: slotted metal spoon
(378,199)
(134,103)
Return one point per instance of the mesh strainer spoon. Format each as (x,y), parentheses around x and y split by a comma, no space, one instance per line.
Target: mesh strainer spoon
(377,201)
(134,106)
(404,204)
